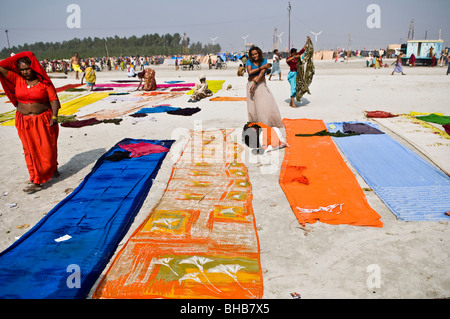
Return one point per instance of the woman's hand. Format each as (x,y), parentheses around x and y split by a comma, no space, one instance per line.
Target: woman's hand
(252,89)
(53,122)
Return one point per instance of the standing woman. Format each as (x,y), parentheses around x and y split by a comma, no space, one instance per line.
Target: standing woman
(276,65)
(261,104)
(31,91)
(292,75)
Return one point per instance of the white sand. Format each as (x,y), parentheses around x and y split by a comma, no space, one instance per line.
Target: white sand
(318,261)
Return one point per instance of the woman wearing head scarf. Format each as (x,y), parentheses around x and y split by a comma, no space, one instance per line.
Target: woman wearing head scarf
(31,91)
(148,76)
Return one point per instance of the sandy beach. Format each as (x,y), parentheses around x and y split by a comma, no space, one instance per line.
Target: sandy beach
(316,261)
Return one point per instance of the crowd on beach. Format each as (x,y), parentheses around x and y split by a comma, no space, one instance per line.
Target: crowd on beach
(102,63)
(23,73)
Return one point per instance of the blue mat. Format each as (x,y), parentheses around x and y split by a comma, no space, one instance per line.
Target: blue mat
(157,109)
(96,215)
(412,188)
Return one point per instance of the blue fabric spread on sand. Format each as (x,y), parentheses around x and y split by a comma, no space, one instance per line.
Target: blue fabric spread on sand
(157,109)
(412,188)
(96,215)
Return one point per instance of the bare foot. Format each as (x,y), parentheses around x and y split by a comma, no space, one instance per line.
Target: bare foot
(32,189)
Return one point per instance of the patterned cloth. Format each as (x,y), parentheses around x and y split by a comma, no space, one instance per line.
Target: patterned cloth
(305,71)
(148,76)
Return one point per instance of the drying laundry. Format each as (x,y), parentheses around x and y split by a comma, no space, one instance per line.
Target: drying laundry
(360,128)
(157,109)
(142,148)
(200,240)
(213,85)
(412,188)
(379,114)
(96,216)
(81,123)
(435,118)
(314,176)
(188,111)
(228,99)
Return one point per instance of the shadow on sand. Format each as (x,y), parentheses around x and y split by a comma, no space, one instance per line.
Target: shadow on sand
(76,164)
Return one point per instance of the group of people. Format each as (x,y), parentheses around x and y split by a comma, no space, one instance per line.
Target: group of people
(261,104)
(375,62)
(31,91)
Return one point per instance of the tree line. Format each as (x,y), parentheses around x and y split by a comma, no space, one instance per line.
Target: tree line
(146,45)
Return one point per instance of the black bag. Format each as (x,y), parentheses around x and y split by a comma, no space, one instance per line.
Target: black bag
(250,135)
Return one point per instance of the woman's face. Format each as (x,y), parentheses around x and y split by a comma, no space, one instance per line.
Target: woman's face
(26,72)
(255,55)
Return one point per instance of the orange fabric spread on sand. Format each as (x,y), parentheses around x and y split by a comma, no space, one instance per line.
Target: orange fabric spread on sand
(228,98)
(317,182)
(200,240)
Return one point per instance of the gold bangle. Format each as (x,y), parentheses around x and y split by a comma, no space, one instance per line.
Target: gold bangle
(54,117)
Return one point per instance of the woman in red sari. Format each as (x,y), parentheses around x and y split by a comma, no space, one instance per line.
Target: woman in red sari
(33,94)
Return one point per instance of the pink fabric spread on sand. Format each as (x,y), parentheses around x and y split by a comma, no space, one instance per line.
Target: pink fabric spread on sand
(142,149)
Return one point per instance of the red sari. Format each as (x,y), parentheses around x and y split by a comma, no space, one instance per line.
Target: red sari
(39,140)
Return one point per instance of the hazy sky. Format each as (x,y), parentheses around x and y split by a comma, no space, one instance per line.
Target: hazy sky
(30,21)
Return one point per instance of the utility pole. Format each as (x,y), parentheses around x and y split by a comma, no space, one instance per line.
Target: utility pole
(411,31)
(7,38)
(289,42)
(349,46)
(107,53)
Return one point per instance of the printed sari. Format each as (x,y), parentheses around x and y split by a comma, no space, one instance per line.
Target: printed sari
(148,75)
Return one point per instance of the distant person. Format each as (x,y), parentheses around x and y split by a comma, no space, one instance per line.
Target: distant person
(398,66)
(276,69)
(241,70)
(244,61)
(200,90)
(75,62)
(131,73)
(448,61)
(148,76)
(292,75)
(412,60)
(433,61)
(89,75)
